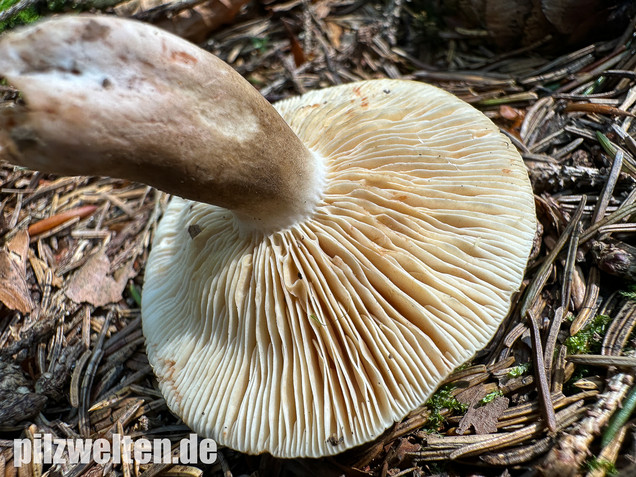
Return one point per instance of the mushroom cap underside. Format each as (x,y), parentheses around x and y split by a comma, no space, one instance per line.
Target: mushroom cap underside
(315,339)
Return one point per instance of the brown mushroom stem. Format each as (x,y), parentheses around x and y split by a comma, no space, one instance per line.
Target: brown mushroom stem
(107,96)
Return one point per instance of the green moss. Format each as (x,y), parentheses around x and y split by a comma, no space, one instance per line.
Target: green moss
(59,5)
(260,44)
(28,15)
(35,12)
(601,464)
(442,401)
(580,372)
(630,293)
(589,339)
(520,370)
(134,293)
(490,397)
(461,367)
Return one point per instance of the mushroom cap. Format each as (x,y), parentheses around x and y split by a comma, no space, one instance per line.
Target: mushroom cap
(316,338)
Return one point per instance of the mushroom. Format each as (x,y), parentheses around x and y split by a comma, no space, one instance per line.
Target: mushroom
(325,263)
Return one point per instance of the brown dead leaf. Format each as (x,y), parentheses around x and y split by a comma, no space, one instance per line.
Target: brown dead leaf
(294,44)
(405,447)
(14,290)
(93,284)
(483,418)
(472,395)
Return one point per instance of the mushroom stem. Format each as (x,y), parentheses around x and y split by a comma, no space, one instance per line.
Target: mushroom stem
(109,96)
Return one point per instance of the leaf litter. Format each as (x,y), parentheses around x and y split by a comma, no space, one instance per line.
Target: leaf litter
(72,360)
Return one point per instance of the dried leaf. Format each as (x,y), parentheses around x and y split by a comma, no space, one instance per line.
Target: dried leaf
(296,48)
(484,418)
(472,395)
(93,284)
(14,290)
(404,448)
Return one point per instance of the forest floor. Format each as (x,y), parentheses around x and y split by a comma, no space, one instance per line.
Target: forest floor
(73,250)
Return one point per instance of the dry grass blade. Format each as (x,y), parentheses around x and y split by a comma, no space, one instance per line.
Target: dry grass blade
(547,408)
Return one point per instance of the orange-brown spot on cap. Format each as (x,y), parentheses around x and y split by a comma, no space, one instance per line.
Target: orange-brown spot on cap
(169,365)
(399,196)
(94,31)
(183,57)
(167,377)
